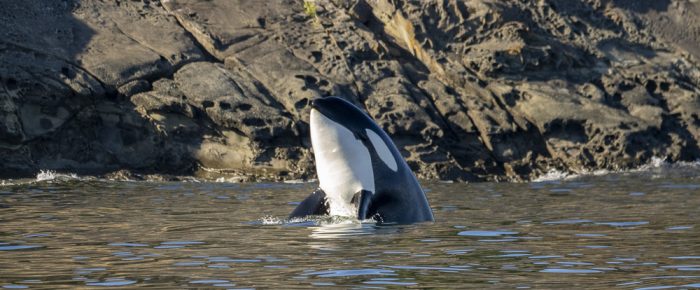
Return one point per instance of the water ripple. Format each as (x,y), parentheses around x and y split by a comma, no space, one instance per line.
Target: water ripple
(351,272)
(111,283)
(486,233)
(490,235)
(570,271)
(623,224)
(19,247)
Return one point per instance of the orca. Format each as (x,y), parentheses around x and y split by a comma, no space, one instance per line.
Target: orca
(360,171)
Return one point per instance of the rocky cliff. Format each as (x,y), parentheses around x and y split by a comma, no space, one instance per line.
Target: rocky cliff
(469,90)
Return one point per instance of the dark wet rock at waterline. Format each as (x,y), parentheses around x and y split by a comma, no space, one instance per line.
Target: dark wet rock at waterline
(469,90)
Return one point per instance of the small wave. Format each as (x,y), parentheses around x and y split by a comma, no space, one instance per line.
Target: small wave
(294,181)
(329,227)
(554,175)
(43,176)
(234,179)
(654,164)
(50,175)
(270,220)
(312,221)
(297,221)
(7,183)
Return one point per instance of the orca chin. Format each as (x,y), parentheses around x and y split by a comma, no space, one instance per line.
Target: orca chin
(361,173)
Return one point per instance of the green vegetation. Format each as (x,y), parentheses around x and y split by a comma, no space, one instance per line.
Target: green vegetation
(310,8)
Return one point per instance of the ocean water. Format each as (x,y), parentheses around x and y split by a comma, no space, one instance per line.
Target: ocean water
(633,230)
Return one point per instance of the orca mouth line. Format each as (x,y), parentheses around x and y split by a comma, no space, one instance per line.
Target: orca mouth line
(331,108)
(314,103)
(316,106)
(323,106)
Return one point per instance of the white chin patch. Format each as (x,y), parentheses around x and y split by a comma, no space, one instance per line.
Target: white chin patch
(382,150)
(343,163)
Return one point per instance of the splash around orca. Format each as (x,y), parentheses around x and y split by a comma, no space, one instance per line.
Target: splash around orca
(360,171)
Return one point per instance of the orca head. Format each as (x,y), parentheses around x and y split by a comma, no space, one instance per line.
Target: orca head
(344,139)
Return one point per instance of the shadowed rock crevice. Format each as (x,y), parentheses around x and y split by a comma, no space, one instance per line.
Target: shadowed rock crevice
(64,106)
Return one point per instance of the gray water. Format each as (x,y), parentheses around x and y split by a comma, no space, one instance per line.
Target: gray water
(625,231)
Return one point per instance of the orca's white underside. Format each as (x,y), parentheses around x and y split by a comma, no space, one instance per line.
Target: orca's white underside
(343,163)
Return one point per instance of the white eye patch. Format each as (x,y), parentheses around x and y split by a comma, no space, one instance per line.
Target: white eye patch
(382,150)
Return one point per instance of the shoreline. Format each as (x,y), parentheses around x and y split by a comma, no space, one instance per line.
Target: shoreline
(553,175)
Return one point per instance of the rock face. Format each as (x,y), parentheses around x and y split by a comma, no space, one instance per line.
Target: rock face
(469,90)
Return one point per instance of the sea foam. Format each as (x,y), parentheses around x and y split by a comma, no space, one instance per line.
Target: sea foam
(654,164)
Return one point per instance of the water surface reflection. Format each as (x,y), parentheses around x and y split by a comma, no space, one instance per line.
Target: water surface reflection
(618,231)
